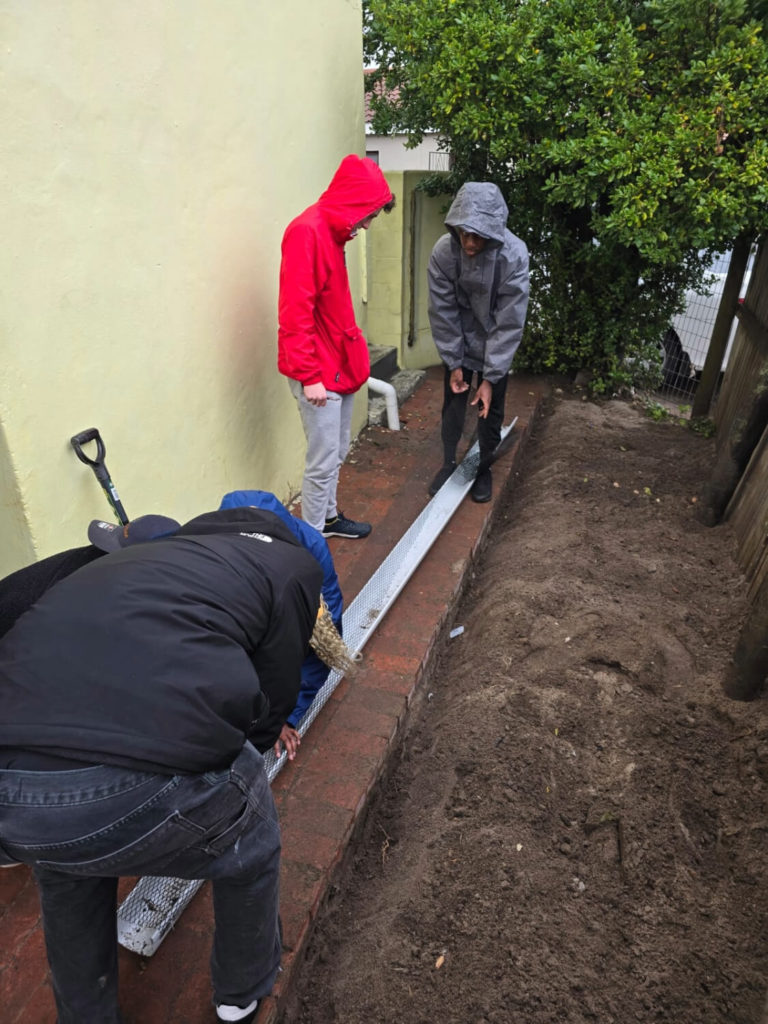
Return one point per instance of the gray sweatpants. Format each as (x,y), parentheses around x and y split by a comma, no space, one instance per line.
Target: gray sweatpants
(327,429)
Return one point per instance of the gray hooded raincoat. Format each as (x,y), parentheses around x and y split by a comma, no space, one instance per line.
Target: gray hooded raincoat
(477,304)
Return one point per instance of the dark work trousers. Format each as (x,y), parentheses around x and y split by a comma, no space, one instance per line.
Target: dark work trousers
(454,413)
(80,830)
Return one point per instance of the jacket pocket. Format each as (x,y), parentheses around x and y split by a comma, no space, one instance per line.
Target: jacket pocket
(355,366)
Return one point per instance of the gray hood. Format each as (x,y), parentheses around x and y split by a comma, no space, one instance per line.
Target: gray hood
(479,207)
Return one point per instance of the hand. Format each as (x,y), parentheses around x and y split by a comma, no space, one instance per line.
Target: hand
(315,394)
(482,399)
(290,740)
(458,384)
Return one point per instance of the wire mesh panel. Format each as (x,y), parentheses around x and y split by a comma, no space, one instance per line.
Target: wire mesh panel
(686,342)
(150,910)
(155,904)
(694,325)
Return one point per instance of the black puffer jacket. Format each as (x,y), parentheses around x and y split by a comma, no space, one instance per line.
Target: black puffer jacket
(160,655)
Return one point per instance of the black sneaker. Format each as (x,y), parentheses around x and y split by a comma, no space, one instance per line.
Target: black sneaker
(340,526)
(482,488)
(442,475)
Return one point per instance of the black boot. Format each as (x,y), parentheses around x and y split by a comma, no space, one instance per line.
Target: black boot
(482,488)
(442,475)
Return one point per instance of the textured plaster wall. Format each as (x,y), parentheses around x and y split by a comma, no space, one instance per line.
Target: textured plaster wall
(153,154)
(385,250)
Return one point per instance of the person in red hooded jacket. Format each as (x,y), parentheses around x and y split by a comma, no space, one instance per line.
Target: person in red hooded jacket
(321,350)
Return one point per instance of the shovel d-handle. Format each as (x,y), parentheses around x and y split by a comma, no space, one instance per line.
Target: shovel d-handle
(85,437)
(99,468)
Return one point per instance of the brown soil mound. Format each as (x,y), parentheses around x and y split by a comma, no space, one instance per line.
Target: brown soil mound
(575,827)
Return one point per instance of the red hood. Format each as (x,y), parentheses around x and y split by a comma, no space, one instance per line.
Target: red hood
(357,190)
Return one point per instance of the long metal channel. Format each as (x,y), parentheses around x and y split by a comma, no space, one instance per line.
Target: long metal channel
(154,905)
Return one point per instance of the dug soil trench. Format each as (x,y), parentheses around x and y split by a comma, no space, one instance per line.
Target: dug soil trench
(575,826)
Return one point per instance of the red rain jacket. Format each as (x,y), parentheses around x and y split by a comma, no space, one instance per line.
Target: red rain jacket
(318,339)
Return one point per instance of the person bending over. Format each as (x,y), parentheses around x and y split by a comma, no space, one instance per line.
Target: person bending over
(138,696)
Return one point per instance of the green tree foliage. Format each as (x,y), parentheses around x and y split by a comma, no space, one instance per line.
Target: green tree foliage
(627,137)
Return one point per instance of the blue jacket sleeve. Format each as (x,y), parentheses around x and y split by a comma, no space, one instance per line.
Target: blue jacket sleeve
(316,543)
(313,671)
(313,674)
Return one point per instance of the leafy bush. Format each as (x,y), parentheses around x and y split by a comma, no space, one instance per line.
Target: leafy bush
(628,139)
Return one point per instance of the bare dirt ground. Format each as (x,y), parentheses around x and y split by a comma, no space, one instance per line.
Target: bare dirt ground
(575,827)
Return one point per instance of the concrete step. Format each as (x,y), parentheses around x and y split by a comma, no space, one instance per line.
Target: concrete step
(405,383)
(383,361)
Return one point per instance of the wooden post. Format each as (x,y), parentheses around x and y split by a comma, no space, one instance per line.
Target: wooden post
(747,673)
(734,453)
(722,328)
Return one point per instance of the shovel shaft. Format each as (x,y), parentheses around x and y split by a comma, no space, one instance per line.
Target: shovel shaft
(99,468)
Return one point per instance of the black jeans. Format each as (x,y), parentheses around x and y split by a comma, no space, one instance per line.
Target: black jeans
(454,413)
(81,830)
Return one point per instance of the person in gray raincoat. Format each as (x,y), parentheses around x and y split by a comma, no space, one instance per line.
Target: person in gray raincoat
(478,298)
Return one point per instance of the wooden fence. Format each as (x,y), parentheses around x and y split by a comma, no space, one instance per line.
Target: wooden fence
(738,488)
(741,418)
(748,514)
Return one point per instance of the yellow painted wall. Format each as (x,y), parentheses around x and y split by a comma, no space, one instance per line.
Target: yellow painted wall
(386,254)
(399,249)
(153,155)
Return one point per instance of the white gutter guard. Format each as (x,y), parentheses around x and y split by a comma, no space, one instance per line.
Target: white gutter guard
(154,905)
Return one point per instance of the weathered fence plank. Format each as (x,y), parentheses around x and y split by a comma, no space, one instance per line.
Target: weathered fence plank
(718,342)
(746,675)
(741,414)
(747,512)
(748,354)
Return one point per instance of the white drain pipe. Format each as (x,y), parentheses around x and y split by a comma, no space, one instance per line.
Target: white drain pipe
(382,387)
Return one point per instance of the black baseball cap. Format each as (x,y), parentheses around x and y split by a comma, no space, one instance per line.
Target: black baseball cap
(112,536)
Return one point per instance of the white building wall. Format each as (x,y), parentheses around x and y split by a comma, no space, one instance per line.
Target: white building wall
(392,155)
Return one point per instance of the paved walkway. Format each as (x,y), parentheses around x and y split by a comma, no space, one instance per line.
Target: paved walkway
(322,795)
